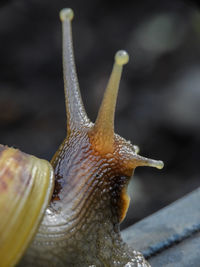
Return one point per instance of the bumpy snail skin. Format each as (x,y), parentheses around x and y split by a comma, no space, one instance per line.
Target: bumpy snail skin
(92,169)
(26,185)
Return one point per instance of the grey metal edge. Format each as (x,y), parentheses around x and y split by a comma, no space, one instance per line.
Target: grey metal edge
(168,232)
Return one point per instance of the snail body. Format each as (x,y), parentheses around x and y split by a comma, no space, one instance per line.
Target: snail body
(92,168)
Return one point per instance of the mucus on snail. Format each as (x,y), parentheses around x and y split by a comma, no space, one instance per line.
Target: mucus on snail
(67,212)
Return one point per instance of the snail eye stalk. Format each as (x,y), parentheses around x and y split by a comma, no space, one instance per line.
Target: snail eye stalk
(76,115)
(103,130)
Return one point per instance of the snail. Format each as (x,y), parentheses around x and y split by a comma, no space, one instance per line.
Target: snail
(67,212)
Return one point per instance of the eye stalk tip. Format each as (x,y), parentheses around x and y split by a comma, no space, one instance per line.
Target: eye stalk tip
(159,164)
(121,57)
(66,14)
(142,161)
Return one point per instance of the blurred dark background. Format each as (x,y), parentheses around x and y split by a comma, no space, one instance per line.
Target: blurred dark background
(159,100)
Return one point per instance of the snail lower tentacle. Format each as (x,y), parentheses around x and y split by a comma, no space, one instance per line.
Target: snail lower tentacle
(92,169)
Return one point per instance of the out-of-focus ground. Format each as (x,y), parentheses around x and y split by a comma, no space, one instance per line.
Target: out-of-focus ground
(159,100)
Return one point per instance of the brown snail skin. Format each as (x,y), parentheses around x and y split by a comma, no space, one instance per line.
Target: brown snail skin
(92,169)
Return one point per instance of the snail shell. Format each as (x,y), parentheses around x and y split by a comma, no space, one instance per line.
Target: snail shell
(92,168)
(26,185)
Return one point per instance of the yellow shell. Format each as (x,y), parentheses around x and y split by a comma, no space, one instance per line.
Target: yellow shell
(26,185)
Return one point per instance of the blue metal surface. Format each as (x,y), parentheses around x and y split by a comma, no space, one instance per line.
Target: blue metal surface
(184,254)
(172,229)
